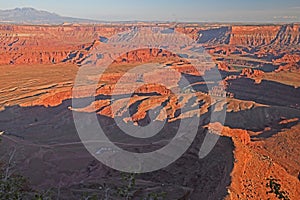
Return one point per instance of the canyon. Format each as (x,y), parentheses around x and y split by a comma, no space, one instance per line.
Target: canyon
(249,72)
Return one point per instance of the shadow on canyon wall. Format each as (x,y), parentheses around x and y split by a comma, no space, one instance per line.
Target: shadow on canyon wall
(267,92)
(50,154)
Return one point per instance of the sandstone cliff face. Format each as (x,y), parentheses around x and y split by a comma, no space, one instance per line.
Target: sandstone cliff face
(250,35)
(146,55)
(288,35)
(256,161)
(192,32)
(253,35)
(265,35)
(56,44)
(49,44)
(215,35)
(239,134)
(248,72)
(240,51)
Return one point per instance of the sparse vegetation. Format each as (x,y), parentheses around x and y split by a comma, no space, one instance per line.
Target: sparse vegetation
(127,190)
(11,186)
(156,196)
(14,186)
(275,188)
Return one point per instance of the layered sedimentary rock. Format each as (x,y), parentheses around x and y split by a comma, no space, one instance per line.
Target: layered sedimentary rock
(253,35)
(55,44)
(262,114)
(49,44)
(255,165)
(248,72)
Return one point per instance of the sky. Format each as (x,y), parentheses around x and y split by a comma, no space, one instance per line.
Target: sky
(169,10)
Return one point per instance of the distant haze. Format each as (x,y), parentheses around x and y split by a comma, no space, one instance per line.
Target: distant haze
(33,16)
(165,10)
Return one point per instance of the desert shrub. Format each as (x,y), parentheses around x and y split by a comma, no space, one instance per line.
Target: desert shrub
(126,190)
(275,188)
(13,187)
(156,196)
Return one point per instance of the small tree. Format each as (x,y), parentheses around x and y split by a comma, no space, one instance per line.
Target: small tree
(12,186)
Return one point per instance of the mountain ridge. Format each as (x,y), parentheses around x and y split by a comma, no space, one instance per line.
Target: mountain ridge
(29,15)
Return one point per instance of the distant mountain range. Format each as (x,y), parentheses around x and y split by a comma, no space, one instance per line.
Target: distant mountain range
(33,16)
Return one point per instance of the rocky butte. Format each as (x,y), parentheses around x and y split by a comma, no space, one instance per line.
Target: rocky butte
(258,90)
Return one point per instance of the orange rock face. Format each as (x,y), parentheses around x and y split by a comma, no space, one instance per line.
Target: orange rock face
(255,166)
(248,72)
(241,135)
(262,114)
(264,35)
(253,35)
(56,44)
(146,55)
(49,44)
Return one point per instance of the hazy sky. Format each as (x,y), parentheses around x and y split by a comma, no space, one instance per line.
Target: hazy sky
(169,10)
